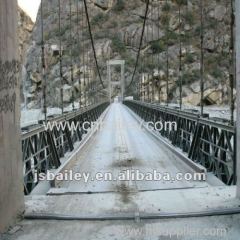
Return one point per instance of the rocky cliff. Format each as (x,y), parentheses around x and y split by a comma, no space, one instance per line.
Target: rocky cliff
(117,26)
(25,26)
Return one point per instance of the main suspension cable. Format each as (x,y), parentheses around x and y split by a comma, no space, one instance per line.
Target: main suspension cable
(140,45)
(92,42)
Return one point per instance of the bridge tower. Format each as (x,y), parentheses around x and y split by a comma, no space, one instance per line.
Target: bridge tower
(112,83)
(11,180)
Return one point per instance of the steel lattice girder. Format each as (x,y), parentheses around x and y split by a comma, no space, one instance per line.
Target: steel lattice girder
(205,141)
(42,149)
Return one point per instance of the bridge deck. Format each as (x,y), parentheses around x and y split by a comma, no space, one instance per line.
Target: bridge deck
(121,145)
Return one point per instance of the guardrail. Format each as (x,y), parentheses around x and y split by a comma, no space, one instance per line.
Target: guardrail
(209,142)
(42,148)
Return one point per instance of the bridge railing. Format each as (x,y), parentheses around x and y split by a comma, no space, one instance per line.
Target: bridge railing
(42,147)
(210,142)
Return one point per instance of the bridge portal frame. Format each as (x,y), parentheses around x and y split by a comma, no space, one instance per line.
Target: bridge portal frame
(114,83)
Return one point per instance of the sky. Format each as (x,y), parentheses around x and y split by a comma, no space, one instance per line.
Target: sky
(30,7)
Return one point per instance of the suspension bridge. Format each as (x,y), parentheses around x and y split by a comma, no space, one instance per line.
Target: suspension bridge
(114,130)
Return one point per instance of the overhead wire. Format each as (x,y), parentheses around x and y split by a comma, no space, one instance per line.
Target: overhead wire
(158,56)
(43,64)
(202,58)
(167,61)
(232,63)
(180,55)
(71,54)
(83,57)
(152,82)
(79,55)
(60,54)
(147,57)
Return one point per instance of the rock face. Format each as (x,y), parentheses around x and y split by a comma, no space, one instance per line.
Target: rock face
(104,4)
(117,27)
(25,26)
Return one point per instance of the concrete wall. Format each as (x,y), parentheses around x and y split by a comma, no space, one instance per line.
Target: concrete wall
(237,2)
(11,187)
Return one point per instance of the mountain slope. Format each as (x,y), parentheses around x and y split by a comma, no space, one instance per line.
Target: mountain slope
(117,26)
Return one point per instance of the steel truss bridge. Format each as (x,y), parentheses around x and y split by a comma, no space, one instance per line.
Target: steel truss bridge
(201,143)
(210,142)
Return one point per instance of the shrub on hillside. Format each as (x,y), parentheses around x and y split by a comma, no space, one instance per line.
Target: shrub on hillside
(120,5)
(100,18)
(118,45)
